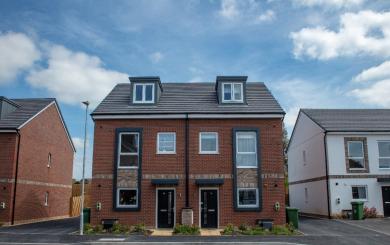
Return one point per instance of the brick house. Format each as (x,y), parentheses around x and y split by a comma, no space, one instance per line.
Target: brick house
(207,154)
(36,159)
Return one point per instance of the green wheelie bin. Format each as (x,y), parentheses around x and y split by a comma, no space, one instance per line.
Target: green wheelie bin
(357,210)
(292,216)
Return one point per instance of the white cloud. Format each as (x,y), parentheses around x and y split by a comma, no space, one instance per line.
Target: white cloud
(375,83)
(17,53)
(156,57)
(75,76)
(298,93)
(244,11)
(354,37)
(328,3)
(78,159)
(374,73)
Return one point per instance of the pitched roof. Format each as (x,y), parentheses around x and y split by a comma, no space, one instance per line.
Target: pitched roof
(189,98)
(26,110)
(350,120)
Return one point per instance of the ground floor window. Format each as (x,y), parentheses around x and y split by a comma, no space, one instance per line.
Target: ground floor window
(359,192)
(127,198)
(248,197)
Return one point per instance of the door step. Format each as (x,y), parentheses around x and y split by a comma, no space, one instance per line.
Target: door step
(210,232)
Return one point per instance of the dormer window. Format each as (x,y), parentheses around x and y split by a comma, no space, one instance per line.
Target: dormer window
(232,92)
(143,93)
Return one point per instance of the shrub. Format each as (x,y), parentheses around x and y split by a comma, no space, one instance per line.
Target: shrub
(243,227)
(255,231)
(139,228)
(98,229)
(186,230)
(229,229)
(119,229)
(89,229)
(369,212)
(283,229)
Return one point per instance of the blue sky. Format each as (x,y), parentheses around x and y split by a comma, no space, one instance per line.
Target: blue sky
(310,53)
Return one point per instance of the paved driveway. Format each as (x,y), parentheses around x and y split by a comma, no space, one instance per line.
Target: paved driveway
(53,227)
(316,232)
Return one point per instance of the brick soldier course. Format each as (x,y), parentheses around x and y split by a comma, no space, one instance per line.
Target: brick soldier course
(187,110)
(30,130)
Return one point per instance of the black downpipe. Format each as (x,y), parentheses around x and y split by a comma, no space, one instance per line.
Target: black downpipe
(16,180)
(327,175)
(187,161)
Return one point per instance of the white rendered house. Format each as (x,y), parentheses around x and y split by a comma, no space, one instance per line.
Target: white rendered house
(336,156)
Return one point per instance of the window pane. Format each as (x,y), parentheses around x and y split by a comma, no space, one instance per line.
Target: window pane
(166,142)
(247,197)
(246,160)
(359,192)
(355,149)
(208,142)
(384,149)
(246,142)
(384,163)
(356,163)
(149,92)
(128,160)
(129,143)
(237,91)
(138,92)
(227,94)
(128,197)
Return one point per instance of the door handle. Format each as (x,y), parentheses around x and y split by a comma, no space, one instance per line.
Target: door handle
(163,210)
(387,202)
(211,210)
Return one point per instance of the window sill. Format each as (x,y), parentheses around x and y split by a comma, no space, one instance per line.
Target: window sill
(246,167)
(166,153)
(119,167)
(359,200)
(208,153)
(384,169)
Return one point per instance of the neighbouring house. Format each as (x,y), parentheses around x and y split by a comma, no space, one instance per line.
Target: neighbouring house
(206,154)
(36,159)
(337,156)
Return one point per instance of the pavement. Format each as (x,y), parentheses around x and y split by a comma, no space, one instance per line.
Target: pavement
(315,231)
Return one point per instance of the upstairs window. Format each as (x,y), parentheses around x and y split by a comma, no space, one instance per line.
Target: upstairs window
(128,155)
(166,143)
(246,149)
(143,93)
(384,154)
(232,92)
(208,143)
(356,155)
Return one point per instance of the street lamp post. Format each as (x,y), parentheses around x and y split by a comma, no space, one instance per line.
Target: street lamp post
(86,103)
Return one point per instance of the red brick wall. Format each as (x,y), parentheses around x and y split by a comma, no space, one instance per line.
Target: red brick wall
(271,162)
(8,146)
(40,136)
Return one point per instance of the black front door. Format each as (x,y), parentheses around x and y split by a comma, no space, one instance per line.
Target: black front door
(209,208)
(386,200)
(165,208)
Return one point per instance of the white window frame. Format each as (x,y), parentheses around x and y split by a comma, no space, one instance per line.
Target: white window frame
(49,160)
(232,92)
(46,201)
(158,143)
(379,157)
(126,189)
(256,150)
(364,161)
(247,205)
(360,199)
(143,101)
(127,153)
(216,143)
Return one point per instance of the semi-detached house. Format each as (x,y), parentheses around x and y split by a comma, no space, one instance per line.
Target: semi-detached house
(337,156)
(206,154)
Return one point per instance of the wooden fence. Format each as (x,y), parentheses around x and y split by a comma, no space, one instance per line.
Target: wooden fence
(75,204)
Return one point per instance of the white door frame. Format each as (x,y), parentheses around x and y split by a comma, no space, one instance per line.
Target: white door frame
(174,204)
(200,205)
